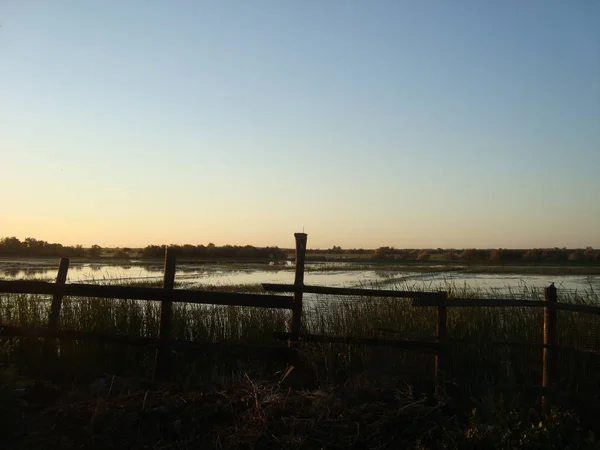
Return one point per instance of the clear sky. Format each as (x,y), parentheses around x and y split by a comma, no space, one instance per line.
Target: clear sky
(367,123)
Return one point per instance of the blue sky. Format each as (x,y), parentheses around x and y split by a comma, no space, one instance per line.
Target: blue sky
(404,123)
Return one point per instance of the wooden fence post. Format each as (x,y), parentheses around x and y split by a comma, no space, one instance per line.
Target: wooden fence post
(549,360)
(163,356)
(441,335)
(296,328)
(49,347)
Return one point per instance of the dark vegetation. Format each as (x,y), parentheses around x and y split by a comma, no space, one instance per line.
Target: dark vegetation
(30,247)
(11,246)
(116,412)
(212,251)
(340,396)
(550,255)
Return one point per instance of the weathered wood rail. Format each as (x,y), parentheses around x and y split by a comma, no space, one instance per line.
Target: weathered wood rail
(147,294)
(167,295)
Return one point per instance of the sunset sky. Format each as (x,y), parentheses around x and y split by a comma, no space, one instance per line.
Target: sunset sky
(468,123)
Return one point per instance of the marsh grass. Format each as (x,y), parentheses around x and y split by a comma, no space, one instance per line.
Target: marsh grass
(475,364)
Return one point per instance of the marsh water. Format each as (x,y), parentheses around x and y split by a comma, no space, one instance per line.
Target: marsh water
(327,274)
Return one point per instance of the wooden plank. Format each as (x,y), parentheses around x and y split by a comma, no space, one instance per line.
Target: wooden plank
(425,347)
(408,334)
(27,287)
(441,335)
(7,331)
(509,302)
(577,308)
(49,349)
(481,302)
(587,351)
(275,287)
(148,294)
(512,344)
(550,331)
(163,360)
(73,335)
(61,279)
(296,324)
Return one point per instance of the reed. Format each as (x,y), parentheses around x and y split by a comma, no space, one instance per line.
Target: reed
(473,359)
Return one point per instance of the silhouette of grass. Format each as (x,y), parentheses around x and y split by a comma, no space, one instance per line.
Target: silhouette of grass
(475,363)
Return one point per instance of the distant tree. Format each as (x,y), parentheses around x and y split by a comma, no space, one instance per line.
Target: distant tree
(451,256)
(95,250)
(121,253)
(423,256)
(532,255)
(473,254)
(383,253)
(153,251)
(11,245)
(577,256)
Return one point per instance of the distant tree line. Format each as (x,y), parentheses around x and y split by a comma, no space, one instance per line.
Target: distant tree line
(11,246)
(212,251)
(549,255)
(339,250)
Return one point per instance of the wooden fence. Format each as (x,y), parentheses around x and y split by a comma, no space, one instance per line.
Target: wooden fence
(167,295)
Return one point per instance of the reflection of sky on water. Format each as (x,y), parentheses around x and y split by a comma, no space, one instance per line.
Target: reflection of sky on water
(195,276)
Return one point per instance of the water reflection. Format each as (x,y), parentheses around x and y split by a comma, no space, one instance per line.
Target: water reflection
(12,272)
(198,275)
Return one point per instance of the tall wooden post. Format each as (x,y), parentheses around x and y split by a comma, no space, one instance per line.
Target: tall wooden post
(550,328)
(441,335)
(296,328)
(49,348)
(162,362)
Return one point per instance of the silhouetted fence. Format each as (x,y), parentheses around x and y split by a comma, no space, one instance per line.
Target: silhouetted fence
(167,295)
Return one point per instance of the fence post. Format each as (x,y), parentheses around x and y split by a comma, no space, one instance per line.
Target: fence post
(296,327)
(549,360)
(162,361)
(49,347)
(441,335)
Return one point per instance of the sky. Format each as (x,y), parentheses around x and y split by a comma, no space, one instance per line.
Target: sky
(411,124)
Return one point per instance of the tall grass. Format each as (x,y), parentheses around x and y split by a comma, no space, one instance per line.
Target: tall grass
(477,363)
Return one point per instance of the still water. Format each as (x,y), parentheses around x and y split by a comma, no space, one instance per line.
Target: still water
(344,275)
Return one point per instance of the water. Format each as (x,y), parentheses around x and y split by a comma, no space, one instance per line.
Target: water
(340,275)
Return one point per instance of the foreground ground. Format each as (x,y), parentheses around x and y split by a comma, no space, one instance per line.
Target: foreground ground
(115,412)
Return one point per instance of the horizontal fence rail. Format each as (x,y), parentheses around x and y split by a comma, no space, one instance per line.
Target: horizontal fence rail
(350,291)
(425,347)
(147,294)
(507,303)
(432,298)
(151,342)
